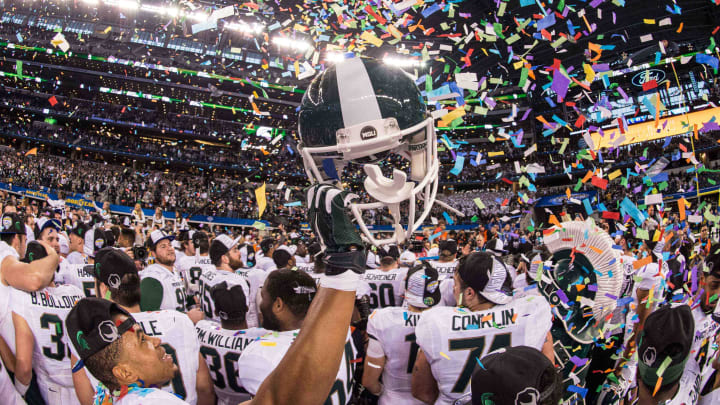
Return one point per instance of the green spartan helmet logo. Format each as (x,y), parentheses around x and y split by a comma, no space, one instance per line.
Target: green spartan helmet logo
(81,340)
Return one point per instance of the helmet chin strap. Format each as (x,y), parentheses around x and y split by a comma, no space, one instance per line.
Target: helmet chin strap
(390,192)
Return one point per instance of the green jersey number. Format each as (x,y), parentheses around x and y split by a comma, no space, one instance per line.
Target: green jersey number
(178,385)
(53,323)
(475,346)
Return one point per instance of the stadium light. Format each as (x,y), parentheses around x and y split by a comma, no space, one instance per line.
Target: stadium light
(337,57)
(284,42)
(403,62)
(245,27)
(124,4)
(91,2)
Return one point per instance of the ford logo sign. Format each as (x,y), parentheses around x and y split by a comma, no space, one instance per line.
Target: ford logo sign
(648,76)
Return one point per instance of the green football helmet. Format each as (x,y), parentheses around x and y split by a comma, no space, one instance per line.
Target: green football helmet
(360,110)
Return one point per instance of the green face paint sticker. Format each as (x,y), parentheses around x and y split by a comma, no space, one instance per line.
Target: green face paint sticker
(30,256)
(97,268)
(81,340)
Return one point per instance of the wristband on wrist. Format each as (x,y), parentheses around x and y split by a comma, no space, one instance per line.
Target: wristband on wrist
(347,281)
(20,387)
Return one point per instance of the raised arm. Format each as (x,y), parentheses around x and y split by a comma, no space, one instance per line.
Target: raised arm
(306,373)
(30,276)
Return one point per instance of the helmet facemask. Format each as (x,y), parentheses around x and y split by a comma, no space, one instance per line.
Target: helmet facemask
(365,144)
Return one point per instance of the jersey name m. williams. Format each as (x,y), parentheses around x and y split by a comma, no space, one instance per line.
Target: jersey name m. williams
(235,343)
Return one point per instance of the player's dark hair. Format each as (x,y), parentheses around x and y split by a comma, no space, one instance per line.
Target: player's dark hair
(293,287)
(101,364)
(387,261)
(7,238)
(204,245)
(281,258)
(127,237)
(128,294)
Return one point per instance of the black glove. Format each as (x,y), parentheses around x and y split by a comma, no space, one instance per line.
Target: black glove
(330,220)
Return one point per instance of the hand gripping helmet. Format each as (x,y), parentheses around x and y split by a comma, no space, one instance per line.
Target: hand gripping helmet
(583,279)
(361,110)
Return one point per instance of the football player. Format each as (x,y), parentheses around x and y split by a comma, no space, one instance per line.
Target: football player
(162,286)
(225,258)
(222,343)
(48,231)
(114,348)
(191,267)
(81,275)
(487,319)
(386,282)
(39,321)
(447,262)
(286,298)
(263,259)
(392,348)
(17,274)
(77,244)
(118,281)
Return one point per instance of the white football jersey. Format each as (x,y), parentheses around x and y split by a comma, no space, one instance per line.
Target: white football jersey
(221,349)
(79,275)
(386,287)
(394,329)
(650,277)
(45,312)
(177,333)
(261,357)
(76,258)
(211,278)
(174,293)
(307,267)
(191,268)
(444,269)
(264,263)
(7,329)
(698,369)
(447,297)
(255,279)
(454,338)
(8,393)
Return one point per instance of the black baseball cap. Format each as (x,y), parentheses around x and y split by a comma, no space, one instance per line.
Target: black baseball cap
(197,236)
(267,244)
(34,251)
(391,251)
(96,239)
(80,229)
(712,261)
(183,235)
(447,245)
(486,275)
(422,288)
(665,341)
(13,223)
(314,249)
(515,375)
(91,326)
(230,301)
(111,265)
